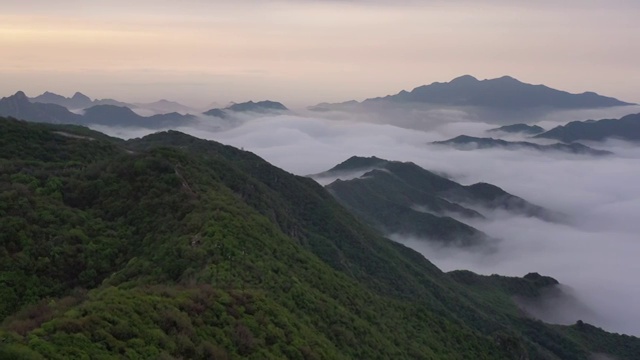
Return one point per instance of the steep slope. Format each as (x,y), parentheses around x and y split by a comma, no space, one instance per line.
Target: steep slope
(625,128)
(464,142)
(260,106)
(170,246)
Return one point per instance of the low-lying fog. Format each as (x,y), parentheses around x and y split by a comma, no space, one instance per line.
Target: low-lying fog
(596,255)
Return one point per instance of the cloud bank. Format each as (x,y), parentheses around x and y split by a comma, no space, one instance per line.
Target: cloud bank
(595,254)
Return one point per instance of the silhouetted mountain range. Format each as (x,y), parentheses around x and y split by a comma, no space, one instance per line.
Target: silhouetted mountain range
(505,93)
(519,129)
(401,198)
(260,107)
(123,116)
(464,142)
(81,101)
(77,101)
(19,107)
(625,128)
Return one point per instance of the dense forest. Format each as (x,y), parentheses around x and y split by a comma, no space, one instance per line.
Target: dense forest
(172,247)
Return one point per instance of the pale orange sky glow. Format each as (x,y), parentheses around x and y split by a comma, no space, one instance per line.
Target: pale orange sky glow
(305,52)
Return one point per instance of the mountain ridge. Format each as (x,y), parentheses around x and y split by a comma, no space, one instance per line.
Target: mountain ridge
(19,106)
(77,101)
(401,198)
(260,107)
(625,128)
(519,129)
(465,142)
(504,93)
(171,246)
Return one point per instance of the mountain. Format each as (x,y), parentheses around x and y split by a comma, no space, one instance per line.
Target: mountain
(505,92)
(111,115)
(163,107)
(260,107)
(625,128)
(501,94)
(51,98)
(217,113)
(464,142)
(519,129)
(19,107)
(77,101)
(170,246)
(403,199)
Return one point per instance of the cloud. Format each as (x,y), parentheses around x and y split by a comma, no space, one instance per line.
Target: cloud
(595,254)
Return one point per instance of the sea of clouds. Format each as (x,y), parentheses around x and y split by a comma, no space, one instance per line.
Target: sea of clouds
(595,254)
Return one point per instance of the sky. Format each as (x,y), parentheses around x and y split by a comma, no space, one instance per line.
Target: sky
(308,51)
(304,52)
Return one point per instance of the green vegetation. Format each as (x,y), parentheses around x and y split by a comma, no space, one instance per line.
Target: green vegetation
(173,247)
(401,198)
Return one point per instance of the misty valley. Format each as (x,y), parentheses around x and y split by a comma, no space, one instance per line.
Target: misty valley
(469,219)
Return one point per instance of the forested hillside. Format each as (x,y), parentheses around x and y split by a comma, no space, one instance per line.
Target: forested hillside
(172,247)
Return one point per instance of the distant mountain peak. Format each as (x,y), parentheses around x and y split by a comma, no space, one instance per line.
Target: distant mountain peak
(111,110)
(259,106)
(77,101)
(465,142)
(505,93)
(20,99)
(404,198)
(80,96)
(358,163)
(266,106)
(519,128)
(508,78)
(20,107)
(20,95)
(625,128)
(464,79)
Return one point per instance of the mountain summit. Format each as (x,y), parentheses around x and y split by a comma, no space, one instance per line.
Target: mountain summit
(260,107)
(21,107)
(625,128)
(77,101)
(464,142)
(503,94)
